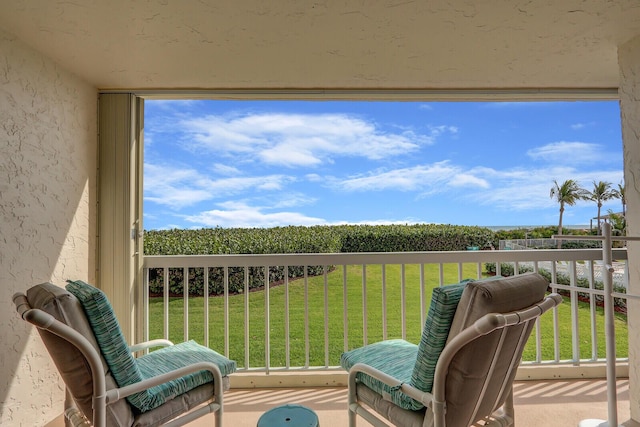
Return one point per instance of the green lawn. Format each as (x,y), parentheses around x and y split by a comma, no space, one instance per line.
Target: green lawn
(336,327)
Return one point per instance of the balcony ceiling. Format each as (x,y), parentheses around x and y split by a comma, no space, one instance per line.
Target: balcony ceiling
(293,44)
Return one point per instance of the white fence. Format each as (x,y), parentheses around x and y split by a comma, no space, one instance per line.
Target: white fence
(358,298)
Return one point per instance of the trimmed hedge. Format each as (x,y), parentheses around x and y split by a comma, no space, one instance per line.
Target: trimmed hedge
(316,239)
(419,237)
(282,240)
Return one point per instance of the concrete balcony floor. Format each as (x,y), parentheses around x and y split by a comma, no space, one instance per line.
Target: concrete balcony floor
(537,403)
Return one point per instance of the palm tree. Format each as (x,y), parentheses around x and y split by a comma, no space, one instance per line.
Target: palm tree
(620,195)
(566,194)
(602,192)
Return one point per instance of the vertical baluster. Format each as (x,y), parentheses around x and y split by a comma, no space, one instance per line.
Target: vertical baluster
(384,302)
(364,305)
(226,311)
(423,296)
(185,301)
(205,290)
(403,301)
(574,313)
(538,336)
(307,347)
(556,318)
(345,308)
(287,348)
(267,311)
(246,318)
(165,302)
(145,307)
(326,316)
(593,311)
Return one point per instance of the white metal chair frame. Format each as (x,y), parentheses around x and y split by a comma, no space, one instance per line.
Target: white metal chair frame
(436,401)
(103,397)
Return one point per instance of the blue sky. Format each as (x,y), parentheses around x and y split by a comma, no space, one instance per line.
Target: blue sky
(279,163)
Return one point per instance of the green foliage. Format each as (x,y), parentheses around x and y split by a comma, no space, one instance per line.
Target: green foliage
(287,240)
(419,237)
(547,233)
(618,224)
(211,241)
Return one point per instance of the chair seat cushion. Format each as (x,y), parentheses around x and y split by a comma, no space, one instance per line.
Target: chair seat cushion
(173,357)
(393,357)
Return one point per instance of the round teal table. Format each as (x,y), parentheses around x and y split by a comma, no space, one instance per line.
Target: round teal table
(289,416)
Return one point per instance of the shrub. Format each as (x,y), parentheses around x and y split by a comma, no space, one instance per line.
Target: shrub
(278,240)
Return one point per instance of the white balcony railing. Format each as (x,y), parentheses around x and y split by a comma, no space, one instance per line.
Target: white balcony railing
(359,298)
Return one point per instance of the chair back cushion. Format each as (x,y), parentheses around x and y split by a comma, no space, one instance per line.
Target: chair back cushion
(106,329)
(444,301)
(128,370)
(72,365)
(435,333)
(470,371)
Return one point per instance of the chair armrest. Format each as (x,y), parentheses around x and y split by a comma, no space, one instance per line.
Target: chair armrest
(419,395)
(116,394)
(149,344)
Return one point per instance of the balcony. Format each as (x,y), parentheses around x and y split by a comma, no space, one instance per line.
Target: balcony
(287,336)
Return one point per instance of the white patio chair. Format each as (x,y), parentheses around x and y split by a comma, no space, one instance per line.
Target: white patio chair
(462,371)
(170,386)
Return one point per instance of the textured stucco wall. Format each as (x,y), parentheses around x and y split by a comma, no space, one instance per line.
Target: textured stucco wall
(629,60)
(48,151)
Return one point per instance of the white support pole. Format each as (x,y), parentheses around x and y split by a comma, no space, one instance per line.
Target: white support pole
(610,336)
(609,325)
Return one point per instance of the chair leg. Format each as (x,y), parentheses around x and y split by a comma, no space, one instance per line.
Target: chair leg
(352,399)
(505,416)
(352,418)
(508,407)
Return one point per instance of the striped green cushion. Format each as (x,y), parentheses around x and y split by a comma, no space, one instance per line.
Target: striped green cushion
(393,357)
(126,370)
(444,301)
(177,356)
(107,331)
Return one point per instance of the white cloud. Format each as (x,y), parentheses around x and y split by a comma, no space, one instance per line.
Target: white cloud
(290,200)
(295,140)
(435,177)
(242,214)
(528,189)
(239,214)
(564,152)
(468,180)
(177,187)
(436,131)
(580,126)
(223,169)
